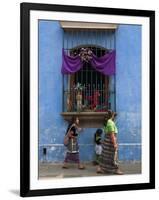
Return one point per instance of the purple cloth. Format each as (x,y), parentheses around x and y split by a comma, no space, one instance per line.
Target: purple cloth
(104,64)
(70,64)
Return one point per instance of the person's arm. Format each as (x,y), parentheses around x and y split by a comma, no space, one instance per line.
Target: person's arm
(79,129)
(114,140)
(98,141)
(111,131)
(70,134)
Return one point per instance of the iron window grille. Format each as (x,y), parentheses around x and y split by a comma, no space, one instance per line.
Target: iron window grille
(98,91)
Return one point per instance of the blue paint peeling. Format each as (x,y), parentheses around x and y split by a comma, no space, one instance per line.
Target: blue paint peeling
(52,127)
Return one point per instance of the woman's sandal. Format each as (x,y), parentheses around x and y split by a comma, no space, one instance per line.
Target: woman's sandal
(81,167)
(118,172)
(64,167)
(99,171)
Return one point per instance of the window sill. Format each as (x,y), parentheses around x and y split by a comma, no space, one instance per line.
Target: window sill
(87,119)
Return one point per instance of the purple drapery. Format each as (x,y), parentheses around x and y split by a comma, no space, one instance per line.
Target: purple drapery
(104,64)
(70,64)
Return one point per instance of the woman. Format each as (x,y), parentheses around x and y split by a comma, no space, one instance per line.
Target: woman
(108,162)
(72,153)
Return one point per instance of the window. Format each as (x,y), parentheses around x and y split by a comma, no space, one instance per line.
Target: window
(94,85)
(88,90)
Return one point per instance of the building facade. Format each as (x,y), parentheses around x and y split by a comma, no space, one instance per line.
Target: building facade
(120,92)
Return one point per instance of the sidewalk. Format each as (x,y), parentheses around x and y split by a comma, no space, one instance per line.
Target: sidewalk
(55,170)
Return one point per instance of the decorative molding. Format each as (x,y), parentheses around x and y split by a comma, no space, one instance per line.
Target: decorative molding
(87,119)
(68,25)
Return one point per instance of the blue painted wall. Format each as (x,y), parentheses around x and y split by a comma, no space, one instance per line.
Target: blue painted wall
(128,88)
(52,127)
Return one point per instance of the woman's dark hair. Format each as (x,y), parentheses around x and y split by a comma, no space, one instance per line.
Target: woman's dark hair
(73,119)
(108,116)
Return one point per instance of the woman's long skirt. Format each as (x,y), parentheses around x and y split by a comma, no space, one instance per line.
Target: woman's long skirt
(72,157)
(72,154)
(108,157)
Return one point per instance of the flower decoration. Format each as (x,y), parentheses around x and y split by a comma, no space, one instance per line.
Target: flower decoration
(79,87)
(85,54)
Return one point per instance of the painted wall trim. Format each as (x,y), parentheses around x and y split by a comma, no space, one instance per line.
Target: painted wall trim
(87,25)
(121,144)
